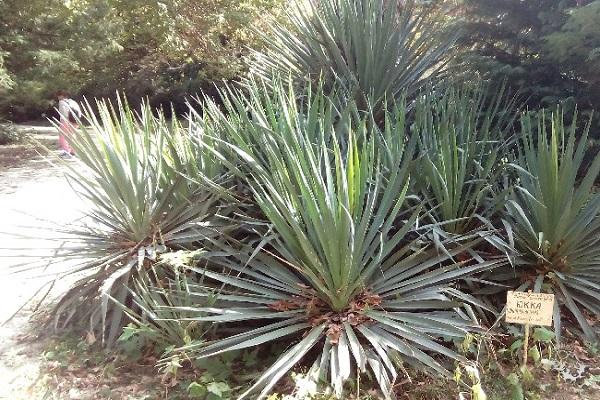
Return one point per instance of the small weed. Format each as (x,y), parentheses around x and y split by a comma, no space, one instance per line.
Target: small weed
(9,134)
(593,348)
(208,389)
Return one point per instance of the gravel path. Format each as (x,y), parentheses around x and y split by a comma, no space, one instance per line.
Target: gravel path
(34,197)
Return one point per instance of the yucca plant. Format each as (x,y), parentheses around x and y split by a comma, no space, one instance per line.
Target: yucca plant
(133,169)
(555,217)
(365,51)
(341,273)
(464,135)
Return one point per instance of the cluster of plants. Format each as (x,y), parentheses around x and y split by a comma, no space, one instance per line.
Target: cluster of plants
(348,203)
(167,50)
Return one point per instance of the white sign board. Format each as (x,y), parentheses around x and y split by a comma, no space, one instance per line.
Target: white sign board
(529,308)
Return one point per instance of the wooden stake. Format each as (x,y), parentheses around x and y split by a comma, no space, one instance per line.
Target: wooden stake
(525,345)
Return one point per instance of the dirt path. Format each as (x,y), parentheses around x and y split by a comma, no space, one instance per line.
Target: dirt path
(34,197)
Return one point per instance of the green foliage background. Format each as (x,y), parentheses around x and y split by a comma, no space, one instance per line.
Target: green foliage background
(548,49)
(165,50)
(158,49)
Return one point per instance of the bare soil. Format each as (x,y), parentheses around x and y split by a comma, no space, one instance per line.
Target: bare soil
(34,198)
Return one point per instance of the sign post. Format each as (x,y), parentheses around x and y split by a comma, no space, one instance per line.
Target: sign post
(526,346)
(527,308)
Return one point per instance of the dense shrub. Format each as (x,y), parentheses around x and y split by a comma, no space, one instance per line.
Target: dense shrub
(340,269)
(369,52)
(140,173)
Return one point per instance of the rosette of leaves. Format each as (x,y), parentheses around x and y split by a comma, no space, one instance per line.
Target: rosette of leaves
(464,136)
(365,51)
(341,274)
(142,177)
(555,217)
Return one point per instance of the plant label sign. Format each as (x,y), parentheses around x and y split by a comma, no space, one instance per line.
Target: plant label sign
(529,308)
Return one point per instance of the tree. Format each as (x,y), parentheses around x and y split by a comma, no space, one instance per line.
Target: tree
(162,50)
(576,48)
(32,38)
(530,44)
(5,79)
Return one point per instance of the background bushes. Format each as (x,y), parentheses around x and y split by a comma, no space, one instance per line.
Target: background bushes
(545,48)
(160,50)
(169,50)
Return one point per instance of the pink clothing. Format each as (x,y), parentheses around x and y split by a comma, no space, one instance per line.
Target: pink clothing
(67,108)
(66,129)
